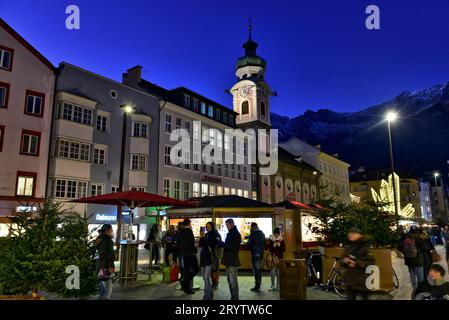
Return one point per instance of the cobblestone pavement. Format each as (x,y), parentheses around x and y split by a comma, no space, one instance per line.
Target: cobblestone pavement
(155,289)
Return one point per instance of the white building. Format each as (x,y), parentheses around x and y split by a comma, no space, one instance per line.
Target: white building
(27,81)
(182,108)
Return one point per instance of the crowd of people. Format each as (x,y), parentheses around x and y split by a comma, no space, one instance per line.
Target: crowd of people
(419,253)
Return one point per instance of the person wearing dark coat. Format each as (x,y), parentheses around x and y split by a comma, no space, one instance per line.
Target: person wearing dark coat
(208,258)
(256,244)
(231,257)
(428,249)
(277,249)
(356,259)
(413,248)
(188,251)
(106,257)
(434,287)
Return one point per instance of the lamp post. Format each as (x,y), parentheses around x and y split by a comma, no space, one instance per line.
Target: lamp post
(436,175)
(391,117)
(126,110)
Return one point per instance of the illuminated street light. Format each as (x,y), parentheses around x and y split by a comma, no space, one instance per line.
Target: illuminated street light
(436,175)
(128,108)
(391,116)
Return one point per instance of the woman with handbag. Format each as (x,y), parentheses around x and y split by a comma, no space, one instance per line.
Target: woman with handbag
(276,251)
(208,259)
(106,256)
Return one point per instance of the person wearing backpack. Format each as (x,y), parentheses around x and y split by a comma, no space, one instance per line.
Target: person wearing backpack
(413,248)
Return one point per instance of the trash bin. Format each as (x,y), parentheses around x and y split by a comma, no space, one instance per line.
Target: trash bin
(292,277)
(128,261)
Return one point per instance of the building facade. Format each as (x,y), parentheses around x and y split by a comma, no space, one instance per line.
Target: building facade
(204,122)
(87,139)
(439,202)
(26,102)
(334,174)
(362,182)
(425,200)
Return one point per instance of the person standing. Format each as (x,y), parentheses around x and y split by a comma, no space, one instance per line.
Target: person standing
(169,240)
(177,250)
(277,249)
(256,244)
(219,253)
(413,248)
(428,248)
(208,258)
(356,259)
(155,239)
(188,253)
(231,259)
(106,256)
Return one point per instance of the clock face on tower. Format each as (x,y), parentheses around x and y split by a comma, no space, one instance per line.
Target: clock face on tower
(245,91)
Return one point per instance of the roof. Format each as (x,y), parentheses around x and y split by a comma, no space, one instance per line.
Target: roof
(377,175)
(290,158)
(229,201)
(290,204)
(26,44)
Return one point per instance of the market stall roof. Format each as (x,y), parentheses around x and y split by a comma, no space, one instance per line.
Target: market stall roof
(133,199)
(231,205)
(292,204)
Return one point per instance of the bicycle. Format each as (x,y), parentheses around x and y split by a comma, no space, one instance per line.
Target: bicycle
(335,280)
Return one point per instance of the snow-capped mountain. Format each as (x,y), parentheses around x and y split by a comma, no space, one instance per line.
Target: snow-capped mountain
(420,136)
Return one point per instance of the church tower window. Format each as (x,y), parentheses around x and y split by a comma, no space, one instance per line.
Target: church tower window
(245,107)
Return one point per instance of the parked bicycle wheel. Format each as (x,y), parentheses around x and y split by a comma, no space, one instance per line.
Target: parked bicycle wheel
(338,283)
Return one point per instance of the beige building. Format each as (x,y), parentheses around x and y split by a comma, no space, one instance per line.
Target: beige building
(334,181)
(361,184)
(27,82)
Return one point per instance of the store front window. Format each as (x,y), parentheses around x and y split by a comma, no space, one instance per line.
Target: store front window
(244,226)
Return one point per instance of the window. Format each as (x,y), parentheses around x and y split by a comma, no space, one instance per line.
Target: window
(100,155)
(178,123)
(245,108)
(225,117)
(245,194)
(140,130)
(212,134)
(211,112)
(196,190)
(240,192)
(195,105)
(186,159)
(204,190)
(102,123)
(75,113)
(114,189)
(196,161)
(219,139)
(6,55)
(30,142)
(73,150)
(4,94)
(203,108)
(140,189)
(25,184)
(138,162)
(231,120)
(262,109)
(254,195)
(71,189)
(166,187)
(177,190)
(219,169)
(226,191)
(2,135)
(187,126)
(204,137)
(196,130)
(212,190)
(96,189)
(167,155)
(233,191)
(226,142)
(218,115)
(244,173)
(167,123)
(82,189)
(187,101)
(186,190)
(34,103)
(219,190)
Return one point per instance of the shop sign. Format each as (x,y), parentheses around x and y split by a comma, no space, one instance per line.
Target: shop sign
(105,217)
(210,179)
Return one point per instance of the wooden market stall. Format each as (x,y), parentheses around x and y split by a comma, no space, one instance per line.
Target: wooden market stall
(244,211)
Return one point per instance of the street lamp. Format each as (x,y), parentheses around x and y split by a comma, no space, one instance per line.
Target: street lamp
(127,109)
(391,117)
(436,175)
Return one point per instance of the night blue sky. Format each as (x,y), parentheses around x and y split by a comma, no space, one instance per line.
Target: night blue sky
(319,53)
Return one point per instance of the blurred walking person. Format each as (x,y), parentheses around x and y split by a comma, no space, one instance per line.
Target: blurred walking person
(208,258)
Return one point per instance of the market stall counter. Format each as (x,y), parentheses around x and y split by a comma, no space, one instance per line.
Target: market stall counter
(242,210)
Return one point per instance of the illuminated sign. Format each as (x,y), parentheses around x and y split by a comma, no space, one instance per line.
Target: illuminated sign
(210,179)
(105,217)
